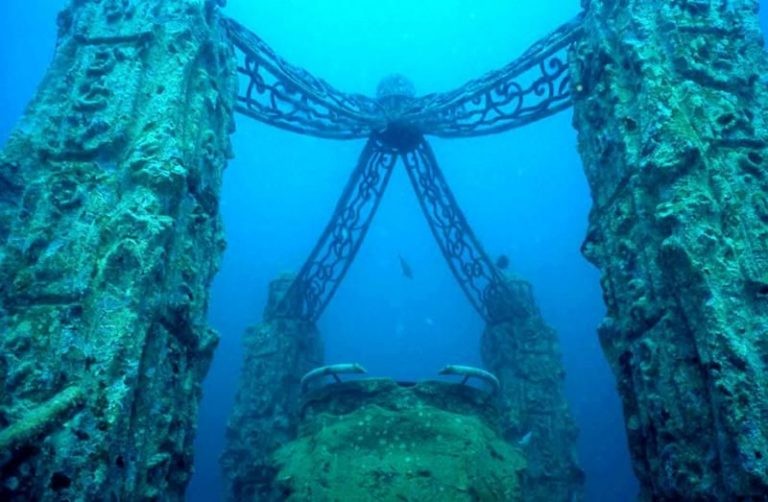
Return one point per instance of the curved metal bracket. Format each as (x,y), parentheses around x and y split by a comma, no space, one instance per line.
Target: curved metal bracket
(333,370)
(289,97)
(533,86)
(471,372)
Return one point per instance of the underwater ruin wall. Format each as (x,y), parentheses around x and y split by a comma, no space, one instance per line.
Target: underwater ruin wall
(670,106)
(524,354)
(109,237)
(278,352)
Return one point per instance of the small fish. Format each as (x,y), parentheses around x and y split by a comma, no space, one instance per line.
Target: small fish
(526,439)
(428,321)
(406,268)
(502,262)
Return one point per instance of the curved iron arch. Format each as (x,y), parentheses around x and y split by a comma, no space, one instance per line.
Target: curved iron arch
(530,88)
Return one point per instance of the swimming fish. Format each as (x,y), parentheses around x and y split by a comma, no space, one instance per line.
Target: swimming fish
(502,262)
(406,268)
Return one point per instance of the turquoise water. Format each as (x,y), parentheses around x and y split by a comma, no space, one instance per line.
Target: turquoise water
(523,192)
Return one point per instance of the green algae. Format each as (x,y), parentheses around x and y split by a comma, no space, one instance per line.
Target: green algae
(673,136)
(278,352)
(109,238)
(426,442)
(524,353)
(41,419)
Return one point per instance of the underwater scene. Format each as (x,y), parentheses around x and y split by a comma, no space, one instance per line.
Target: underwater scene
(337,250)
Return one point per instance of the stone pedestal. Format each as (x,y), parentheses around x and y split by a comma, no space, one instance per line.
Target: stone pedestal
(278,352)
(109,237)
(373,439)
(524,354)
(671,106)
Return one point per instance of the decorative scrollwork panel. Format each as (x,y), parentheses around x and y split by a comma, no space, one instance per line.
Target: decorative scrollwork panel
(481,281)
(529,88)
(334,252)
(289,97)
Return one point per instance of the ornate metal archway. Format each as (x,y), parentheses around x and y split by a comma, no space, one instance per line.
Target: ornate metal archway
(534,86)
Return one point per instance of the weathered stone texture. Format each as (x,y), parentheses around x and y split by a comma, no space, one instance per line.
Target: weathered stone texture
(670,106)
(278,352)
(523,352)
(374,440)
(109,237)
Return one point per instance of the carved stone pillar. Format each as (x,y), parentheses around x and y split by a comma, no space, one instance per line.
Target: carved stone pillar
(109,237)
(278,352)
(523,352)
(671,106)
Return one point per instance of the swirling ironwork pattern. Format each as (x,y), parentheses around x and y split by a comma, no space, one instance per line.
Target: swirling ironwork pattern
(334,252)
(494,296)
(289,97)
(533,86)
(482,282)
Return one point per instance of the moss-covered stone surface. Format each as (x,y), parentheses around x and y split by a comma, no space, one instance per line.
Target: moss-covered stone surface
(524,354)
(278,352)
(109,237)
(376,440)
(671,106)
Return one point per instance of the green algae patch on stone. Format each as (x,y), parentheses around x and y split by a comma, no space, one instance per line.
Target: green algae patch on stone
(673,137)
(40,419)
(277,353)
(376,440)
(110,235)
(523,352)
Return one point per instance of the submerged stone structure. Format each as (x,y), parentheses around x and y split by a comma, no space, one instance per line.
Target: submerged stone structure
(110,234)
(278,352)
(671,104)
(524,353)
(376,440)
(109,237)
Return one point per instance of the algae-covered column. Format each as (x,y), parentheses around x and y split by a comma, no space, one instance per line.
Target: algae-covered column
(278,352)
(109,237)
(671,106)
(523,352)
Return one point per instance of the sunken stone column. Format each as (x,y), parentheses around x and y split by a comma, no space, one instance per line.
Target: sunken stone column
(671,106)
(278,352)
(523,352)
(109,237)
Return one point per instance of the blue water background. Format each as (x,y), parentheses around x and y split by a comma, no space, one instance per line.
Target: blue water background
(523,192)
